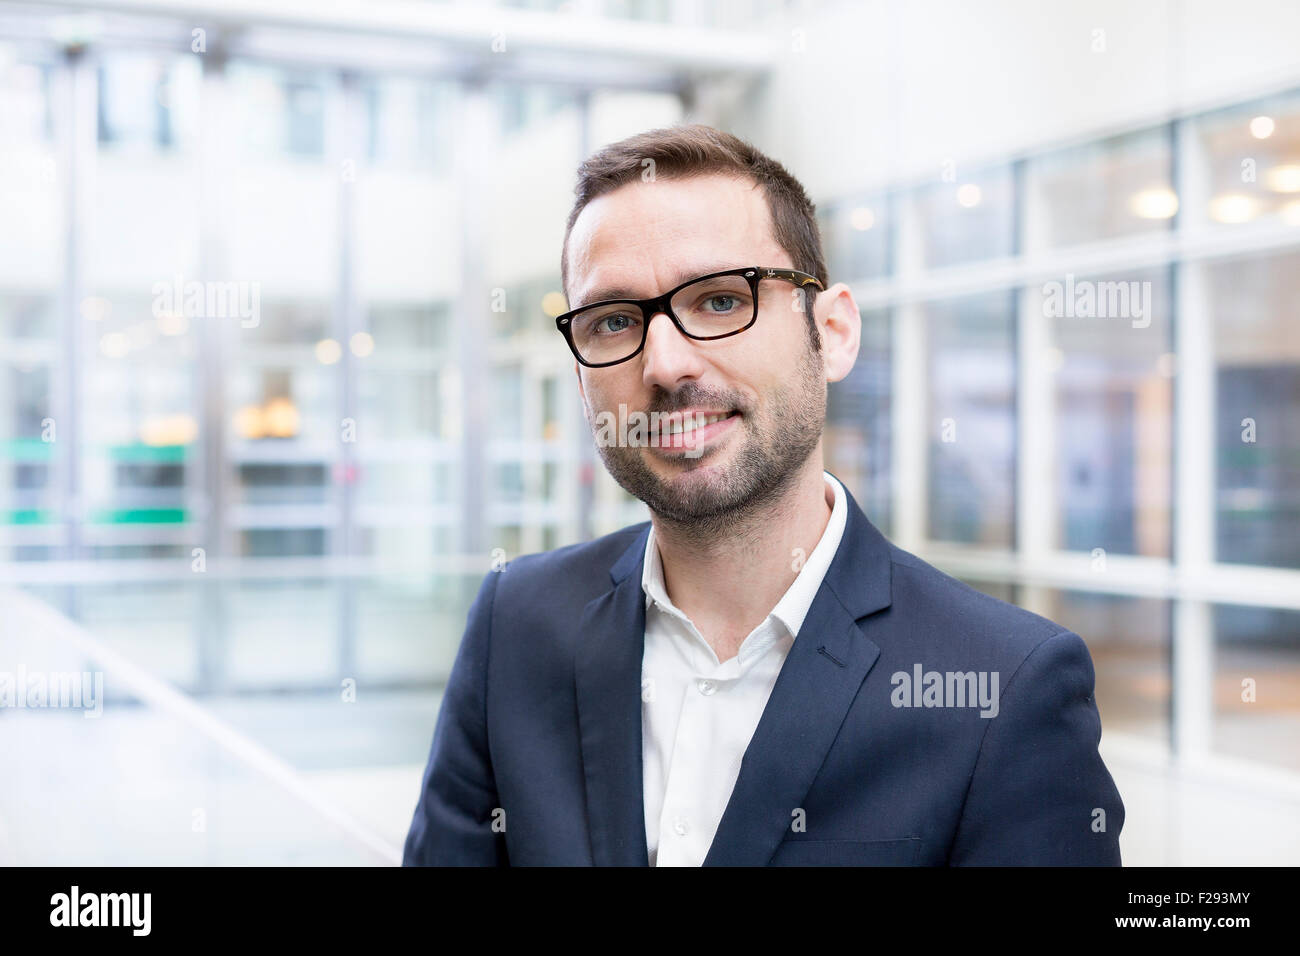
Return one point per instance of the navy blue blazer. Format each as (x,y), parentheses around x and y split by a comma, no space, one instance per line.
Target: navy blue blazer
(536,756)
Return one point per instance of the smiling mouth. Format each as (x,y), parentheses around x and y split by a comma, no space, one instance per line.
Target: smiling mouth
(689,430)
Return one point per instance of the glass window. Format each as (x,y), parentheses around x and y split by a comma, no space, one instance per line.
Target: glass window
(516,312)
(971,419)
(858,425)
(1110,189)
(1257,352)
(284,384)
(655,10)
(399,403)
(139,417)
(284,429)
(857,237)
(1248,159)
(281,112)
(285,381)
(1129,641)
(27,117)
(409,123)
(971,218)
(140,413)
(406,361)
(148,102)
(281,633)
(507,389)
(1110,352)
(401,329)
(31,343)
(30,512)
(524,107)
(157,624)
(1257,684)
(408,629)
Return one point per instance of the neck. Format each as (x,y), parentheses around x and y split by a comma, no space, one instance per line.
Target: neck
(728,584)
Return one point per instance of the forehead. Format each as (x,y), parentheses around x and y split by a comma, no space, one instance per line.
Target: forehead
(646,237)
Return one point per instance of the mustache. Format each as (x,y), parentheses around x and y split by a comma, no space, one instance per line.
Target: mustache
(691,395)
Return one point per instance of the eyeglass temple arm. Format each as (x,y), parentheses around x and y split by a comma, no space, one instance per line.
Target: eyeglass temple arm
(798,278)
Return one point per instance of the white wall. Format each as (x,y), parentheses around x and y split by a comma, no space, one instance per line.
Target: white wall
(888,90)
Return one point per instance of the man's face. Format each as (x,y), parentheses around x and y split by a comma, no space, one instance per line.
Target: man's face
(767,383)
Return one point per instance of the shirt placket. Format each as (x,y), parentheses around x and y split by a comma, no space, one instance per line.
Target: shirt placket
(686,824)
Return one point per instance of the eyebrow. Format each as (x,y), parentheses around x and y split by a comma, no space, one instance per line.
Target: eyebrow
(605,293)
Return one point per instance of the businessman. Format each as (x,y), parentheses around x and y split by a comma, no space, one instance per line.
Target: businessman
(756,675)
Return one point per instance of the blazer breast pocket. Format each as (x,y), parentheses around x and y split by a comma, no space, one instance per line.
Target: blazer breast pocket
(903,852)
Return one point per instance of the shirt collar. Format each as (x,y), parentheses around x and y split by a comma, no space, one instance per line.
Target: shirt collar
(798,598)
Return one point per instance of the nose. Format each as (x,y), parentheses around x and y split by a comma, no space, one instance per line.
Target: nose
(669,357)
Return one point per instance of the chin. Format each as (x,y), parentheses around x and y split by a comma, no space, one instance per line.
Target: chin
(681,466)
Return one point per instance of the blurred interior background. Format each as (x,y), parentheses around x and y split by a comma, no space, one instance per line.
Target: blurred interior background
(263,525)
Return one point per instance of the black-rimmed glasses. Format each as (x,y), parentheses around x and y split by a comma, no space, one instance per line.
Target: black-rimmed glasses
(710,307)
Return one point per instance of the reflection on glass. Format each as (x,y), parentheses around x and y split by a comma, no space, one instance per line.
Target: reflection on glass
(858,431)
(25,87)
(408,123)
(406,362)
(1105,190)
(969,218)
(408,629)
(281,112)
(971,419)
(148,102)
(31,516)
(282,633)
(410,487)
(508,482)
(507,390)
(400,404)
(1249,158)
(521,311)
(1113,371)
(858,238)
(1257,684)
(139,421)
(1257,352)
(397,329)
(28,440)
(523,107)
(284,430)
(654,10)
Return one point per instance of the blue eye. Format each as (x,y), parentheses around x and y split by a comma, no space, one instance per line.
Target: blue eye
(729,303)
(619,322)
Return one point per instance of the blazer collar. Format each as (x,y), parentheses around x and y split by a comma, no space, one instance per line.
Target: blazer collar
(818,682)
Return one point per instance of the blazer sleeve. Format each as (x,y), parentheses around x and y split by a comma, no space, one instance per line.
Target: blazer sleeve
(1040,794)
(453,820)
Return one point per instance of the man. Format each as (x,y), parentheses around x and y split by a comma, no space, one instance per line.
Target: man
(755,676)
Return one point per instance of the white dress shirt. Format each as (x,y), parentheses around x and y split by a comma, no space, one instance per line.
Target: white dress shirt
(698,715)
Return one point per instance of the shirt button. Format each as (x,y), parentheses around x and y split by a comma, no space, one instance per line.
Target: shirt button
(680,827)
(708,687)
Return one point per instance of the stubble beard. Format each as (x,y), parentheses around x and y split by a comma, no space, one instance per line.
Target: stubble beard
(699,502)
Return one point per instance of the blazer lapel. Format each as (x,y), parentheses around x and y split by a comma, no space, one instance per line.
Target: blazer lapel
(826,666)
(607,675)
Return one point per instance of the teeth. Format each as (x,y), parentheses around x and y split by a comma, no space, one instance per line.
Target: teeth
(690,422)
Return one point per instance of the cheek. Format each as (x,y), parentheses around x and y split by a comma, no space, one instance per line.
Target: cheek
(775,371)
(768,359)
(606,390)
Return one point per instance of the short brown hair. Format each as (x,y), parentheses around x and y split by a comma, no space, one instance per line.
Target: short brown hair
(680,152)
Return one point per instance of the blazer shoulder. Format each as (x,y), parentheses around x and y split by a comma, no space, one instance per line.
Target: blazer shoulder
(923,592)
(572,570)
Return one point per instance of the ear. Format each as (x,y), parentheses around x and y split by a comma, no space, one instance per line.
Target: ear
(840,324)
